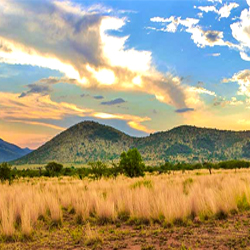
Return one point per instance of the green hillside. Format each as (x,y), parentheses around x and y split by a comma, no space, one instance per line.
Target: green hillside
(91,141)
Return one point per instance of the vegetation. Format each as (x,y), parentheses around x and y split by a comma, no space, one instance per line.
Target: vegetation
(53,169)
(131,163)
(92,142)
(99,206)
(164,199)
(5,173)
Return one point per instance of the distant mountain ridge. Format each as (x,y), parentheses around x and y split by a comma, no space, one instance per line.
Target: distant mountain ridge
(91,141)
(9,151)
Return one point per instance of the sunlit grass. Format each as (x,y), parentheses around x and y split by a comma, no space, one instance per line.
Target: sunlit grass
(164,199)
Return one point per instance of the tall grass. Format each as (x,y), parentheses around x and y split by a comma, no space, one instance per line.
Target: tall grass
(163,198)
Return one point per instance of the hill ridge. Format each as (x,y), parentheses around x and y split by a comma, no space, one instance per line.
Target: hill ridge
(10,151)
(90,141)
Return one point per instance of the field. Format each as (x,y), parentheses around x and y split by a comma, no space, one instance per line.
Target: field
(191,210)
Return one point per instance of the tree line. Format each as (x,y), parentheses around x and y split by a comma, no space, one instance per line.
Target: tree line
(130,165)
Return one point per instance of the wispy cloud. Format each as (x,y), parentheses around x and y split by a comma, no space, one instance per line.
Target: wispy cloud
(243,80)
(223,12)
(202,90)
(36,109)
(202,38)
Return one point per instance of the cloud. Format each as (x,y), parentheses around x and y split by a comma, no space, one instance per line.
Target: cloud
(214,1)
(221,101)
(36,109)
(98,97)
(214,54)
(207,8)
(184,110)
(243,80)
(173,23)
(113,102)
(76,41)
(223,12)
(35,88)
(202,90)
(202,38)
(241,32)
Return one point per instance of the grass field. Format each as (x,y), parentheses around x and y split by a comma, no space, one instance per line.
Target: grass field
(177,211)
(37,166)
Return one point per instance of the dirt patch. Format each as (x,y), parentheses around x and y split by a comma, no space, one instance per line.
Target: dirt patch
(230,233)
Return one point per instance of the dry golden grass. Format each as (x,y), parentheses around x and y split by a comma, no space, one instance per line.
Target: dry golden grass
(163,198)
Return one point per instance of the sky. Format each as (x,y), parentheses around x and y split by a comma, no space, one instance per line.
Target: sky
(139,66)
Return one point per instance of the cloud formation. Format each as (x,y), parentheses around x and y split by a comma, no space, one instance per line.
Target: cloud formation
(36,109)
(113,102)
(98,97)
(202,90)
(202,38)
(184,110)
(37,88)
(243,80)
(223,12)
(241,32)
(221,101)
(74,40)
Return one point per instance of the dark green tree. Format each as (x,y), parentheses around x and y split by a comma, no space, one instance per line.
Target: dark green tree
(53,168)
(5,172)
(98,169)
(115,170)
(131,163)
(209,166)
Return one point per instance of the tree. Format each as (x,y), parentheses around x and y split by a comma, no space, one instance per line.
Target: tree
(131,163)
(209,166)
(53,168)
(115,170)
(5,172)
(98,169)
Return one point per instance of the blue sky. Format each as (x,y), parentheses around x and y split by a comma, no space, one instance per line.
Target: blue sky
(140,66)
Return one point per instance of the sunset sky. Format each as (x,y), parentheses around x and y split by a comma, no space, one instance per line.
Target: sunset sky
(139,66)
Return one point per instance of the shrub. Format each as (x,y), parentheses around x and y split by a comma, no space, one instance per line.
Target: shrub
(98,169)
(131,163)
(53,168)
(5,172)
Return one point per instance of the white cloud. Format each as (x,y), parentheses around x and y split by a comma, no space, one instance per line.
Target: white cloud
(215,54)
(223,12)
(243,79)
(207,8)
(214,1)
(200,37)
(202,90)
(241,32)
(174,22)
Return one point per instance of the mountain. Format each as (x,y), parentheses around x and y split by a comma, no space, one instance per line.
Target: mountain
(10,151)
(91,141)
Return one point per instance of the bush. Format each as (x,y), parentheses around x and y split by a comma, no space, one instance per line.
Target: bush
(53,168)
(5,172)
(131,163)
(98,169)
